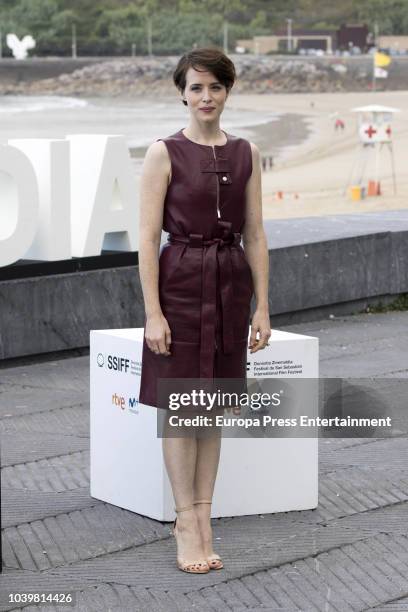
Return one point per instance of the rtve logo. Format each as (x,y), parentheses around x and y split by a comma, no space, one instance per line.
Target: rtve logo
(120,402)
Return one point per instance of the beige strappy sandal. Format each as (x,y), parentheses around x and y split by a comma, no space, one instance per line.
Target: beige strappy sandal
(214,560)
(199,567)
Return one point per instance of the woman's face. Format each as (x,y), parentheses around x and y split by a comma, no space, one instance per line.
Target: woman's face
(203,90)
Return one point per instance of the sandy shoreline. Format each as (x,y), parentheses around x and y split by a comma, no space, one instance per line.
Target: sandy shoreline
(318,169)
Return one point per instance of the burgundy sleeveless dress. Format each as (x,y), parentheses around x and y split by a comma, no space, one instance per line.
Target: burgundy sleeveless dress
(205,281)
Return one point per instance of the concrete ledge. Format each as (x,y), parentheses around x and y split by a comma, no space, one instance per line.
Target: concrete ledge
(317,266)
(56,312)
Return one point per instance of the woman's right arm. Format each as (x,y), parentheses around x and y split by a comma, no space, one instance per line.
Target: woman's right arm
(154,181)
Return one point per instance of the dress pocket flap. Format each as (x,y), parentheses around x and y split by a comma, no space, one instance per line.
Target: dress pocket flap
(215,165)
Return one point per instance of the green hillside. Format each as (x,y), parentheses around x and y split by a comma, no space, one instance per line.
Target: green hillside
(115,27)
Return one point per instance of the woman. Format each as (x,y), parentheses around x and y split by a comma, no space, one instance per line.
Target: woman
(203,186)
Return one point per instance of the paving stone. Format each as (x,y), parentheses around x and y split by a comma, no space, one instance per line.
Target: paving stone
(48,475)
(90,532)
(385,453)
(23,506)
(338,589)
(243,594)
(355,490)
(228,595)
(51,549)
(198,601)
(357,328)
(18,401)
(399,605)
(159,557)
(332,444)
(301,593)
(388,566)
(30,446)
(363,571)
(338,486)
(348,572)
(70,374)
(324,596)
(214,599)
(377,364)
(264,589)
(353,348)
(9,558)
(68,420)
(392,520)
(24,581)
(61,473)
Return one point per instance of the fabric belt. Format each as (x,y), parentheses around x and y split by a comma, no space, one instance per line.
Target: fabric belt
(215,251)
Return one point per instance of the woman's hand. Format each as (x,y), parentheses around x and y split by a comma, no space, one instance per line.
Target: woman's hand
(158,334)
(260,323)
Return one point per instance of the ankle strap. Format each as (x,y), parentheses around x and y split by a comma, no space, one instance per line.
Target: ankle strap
(202,501)
(184,508)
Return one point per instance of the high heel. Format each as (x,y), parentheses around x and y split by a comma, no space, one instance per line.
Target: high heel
(199,567)
(214,560)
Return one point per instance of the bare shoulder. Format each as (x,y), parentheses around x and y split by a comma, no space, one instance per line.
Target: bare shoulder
(157,151)
(157,162)
(255,150)
(256,160)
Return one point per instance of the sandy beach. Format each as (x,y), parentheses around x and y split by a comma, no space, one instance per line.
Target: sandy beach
(314,174)
(313,164)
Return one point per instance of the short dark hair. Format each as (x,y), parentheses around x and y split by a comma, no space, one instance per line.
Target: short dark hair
(212,59)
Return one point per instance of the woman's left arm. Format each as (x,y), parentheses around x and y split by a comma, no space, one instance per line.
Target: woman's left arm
(256,251)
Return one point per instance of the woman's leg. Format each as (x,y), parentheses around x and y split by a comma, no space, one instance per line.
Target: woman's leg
(180,454)
(208,455)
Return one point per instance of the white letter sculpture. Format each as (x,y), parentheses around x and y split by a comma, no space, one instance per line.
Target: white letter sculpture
(20,47)
(18,204)
(67,198)
(50,160)
(104,195)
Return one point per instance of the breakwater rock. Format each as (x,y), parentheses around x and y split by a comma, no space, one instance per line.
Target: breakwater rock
(256,74)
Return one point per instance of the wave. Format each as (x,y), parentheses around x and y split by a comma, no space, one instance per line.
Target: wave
(30,104)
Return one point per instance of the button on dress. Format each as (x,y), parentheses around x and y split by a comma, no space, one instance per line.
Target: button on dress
(205,281)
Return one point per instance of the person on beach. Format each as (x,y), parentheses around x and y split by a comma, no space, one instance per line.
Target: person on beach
(202,186)
(339,123)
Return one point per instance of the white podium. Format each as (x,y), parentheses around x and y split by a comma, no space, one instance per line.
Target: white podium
(255,476)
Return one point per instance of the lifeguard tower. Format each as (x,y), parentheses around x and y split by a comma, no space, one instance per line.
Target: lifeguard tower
(374,133)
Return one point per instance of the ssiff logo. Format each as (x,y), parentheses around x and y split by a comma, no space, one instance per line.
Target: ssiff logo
(118,363)
(114,362)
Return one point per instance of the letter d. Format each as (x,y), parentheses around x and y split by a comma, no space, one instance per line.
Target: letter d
(19,206)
